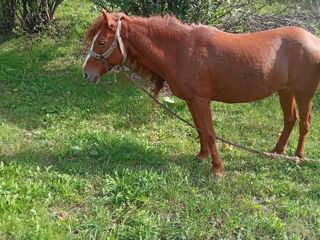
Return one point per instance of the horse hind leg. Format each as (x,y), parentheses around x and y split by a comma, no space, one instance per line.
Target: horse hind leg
(289,118)
(304,107)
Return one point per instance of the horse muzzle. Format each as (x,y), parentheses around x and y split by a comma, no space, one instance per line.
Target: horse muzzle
(94,79)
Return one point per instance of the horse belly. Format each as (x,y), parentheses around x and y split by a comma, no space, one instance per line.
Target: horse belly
(236,96)
(247,89)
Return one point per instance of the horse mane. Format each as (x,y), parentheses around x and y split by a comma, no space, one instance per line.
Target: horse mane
(94,28)
(169,19)
(147,75)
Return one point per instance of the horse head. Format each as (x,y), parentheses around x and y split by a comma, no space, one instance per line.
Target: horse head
(107,49)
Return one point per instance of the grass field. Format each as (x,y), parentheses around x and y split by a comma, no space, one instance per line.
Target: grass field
(103,162)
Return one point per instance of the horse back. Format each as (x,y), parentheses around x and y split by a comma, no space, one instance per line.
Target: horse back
(249,67)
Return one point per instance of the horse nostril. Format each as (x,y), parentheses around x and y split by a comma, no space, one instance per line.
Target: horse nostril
(96,78)
(85,75)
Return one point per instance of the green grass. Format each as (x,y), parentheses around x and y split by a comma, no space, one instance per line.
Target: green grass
(103,162)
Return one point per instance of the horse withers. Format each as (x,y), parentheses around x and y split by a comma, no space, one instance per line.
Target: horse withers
(201,64)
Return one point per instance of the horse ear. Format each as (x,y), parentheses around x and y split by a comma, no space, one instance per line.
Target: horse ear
(108,18)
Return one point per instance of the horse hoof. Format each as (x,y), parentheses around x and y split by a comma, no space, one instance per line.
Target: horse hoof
(217,173)
(278,151)
(299,155)
(202,156)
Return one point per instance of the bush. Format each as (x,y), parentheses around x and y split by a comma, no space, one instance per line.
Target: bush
(208,12)
(187,11)
(35,14)
(148,7)
(7,16)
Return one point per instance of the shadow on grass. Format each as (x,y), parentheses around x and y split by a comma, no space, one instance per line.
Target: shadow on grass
(45,97)
(107,155)
(31,91)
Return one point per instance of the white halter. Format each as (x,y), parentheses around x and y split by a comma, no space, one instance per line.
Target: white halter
(103,57)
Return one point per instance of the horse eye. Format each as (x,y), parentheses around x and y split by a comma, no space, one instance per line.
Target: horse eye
(101,43)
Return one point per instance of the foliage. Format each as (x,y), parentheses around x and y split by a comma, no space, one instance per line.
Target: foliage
(310,21)
(231,16)
(34,14)
(147,8)
(150,7)
(194,11)
(311,5)
(7,10)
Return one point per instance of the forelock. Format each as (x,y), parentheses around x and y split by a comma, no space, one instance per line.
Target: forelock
(94,28)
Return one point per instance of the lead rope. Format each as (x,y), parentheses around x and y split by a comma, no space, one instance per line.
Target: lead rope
(134,77)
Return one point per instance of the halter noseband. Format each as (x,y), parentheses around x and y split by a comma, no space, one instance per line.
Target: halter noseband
(103,57)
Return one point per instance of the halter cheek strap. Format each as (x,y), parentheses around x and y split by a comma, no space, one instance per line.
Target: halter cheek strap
(117,40)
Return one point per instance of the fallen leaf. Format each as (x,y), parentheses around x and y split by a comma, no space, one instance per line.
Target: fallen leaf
(73,158)
(75,148)
(94,152)
(219,222)
(276,134)
(229,148)
(168,99)
(62,216)
(152,138)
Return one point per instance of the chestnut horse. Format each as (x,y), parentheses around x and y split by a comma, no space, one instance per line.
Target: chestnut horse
(201,64)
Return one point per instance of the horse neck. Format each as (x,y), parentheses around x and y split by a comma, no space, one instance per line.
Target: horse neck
(150,40)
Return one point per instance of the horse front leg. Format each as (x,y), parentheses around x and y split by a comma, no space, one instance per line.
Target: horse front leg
(204,148)
(201,114)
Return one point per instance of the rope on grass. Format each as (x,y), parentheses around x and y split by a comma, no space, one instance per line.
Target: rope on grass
(134,77)
(295,160)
